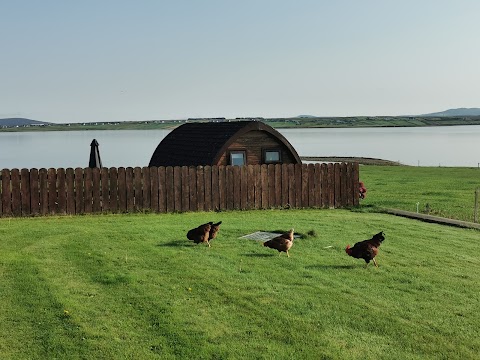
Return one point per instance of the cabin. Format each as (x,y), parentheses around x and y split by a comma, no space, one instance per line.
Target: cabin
(224,143)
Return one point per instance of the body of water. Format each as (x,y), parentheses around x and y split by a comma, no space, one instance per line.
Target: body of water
(432,146)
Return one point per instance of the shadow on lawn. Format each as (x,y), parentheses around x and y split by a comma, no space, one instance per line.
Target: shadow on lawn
(259,255)
(176,243)
(325,267)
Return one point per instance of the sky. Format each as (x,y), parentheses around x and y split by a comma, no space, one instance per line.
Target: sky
(133,60)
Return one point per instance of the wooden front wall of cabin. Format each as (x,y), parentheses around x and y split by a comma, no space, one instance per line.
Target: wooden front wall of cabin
(70,191)
(254,143)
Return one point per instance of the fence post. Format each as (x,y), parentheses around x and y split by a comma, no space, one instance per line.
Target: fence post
(475,211)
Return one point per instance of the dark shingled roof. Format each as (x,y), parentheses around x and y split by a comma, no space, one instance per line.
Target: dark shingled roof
(193,144)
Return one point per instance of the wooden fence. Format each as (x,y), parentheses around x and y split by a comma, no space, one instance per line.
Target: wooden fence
(32,192)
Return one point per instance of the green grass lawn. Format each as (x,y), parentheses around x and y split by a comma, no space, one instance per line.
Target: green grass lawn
(446,192)
(133,287)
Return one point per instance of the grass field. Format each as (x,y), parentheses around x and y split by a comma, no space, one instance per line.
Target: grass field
(441,191)
(133,287)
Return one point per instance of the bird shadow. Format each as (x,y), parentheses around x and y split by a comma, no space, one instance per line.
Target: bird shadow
(175,243)
(325,267)
(258,255)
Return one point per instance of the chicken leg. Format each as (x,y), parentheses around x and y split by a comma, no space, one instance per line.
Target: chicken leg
(375,262)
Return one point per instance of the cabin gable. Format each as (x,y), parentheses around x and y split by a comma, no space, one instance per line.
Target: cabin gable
(227,143)
(255,144)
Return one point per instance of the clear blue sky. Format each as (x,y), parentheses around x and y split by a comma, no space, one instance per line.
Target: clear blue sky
(117,60)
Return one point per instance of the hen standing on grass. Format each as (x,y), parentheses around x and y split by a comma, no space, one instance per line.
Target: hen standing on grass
(200,234)
(214,229)
(366,249)
(281,243)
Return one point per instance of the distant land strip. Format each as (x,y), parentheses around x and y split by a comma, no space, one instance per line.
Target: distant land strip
(360,160)
(22,124)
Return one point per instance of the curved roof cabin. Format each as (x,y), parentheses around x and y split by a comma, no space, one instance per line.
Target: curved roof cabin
(224,143)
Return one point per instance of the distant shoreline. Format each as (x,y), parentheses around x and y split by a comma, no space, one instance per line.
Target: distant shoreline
(277,123)
(360,160)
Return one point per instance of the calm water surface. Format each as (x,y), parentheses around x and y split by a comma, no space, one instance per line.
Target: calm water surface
(436,146)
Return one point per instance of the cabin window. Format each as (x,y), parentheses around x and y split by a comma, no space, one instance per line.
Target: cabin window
(237,158)
(272,156)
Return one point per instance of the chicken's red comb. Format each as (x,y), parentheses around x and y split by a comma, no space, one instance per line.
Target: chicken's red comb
(348,247)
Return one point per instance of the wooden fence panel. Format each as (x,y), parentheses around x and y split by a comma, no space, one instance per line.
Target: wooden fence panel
(88,184)
(34,193)
(154,189)
(331,185)
(1,196)
(285,186)
(215,189)
(230,187)
(130,187)
(70,190)
(122,189)
(25,191)
(278,185)
(207,171)
(291,185)
(271,185)
(177,188)
(258,187)
(298,185)
(237,188)
(6,193)
(264,186)
(311,185)
(222,188)
(52,191)
(43,189)
(317,184)
(170,192)
(137,189)
(79,192)
(162,191)
(185,189)
(305,187)
(96,190)
(61,192)
(348,185)
(250,187)
(244,187)
(337,187)
(16,194)
(200,189)
(105,190)
(343,185)
(147,201)
(192,177)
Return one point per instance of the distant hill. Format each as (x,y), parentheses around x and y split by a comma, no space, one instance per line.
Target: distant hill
(457,112)
(12,122)
(306,116)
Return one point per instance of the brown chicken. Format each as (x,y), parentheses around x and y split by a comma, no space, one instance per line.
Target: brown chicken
(281,243)
(366,249)
(200,234)
(215,228)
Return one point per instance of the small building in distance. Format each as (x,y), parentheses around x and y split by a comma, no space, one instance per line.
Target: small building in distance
(224,143)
